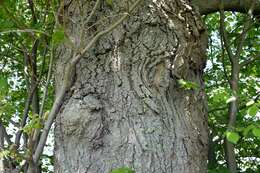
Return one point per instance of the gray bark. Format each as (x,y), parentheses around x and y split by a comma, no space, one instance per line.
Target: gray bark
(126,108)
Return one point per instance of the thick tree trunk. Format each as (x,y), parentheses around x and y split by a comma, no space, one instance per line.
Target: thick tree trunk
(126,108)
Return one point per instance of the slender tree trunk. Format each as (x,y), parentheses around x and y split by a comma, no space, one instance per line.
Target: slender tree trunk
(33,167)
(211,153)
(126,108)
(232,113)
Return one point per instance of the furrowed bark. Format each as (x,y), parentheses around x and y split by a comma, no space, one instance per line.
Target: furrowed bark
(126,107)
(67,81)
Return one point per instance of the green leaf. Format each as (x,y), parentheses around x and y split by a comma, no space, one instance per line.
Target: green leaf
(109,2)
(3,83)
(247,129)
(250,103)
(58,36)
(256,132)
(4,154)
(122,170)
(188,84)
(34,123)
(231,99)
(232,137)
(252,111)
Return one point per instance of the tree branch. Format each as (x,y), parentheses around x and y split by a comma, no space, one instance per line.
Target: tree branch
(223,60)
(31,5)
(210,6)
(245,29)
(5,135)
(223,34)
(93,11)
(241,107)
(250,60)
(25,115)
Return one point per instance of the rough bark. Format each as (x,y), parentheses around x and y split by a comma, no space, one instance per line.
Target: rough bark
(126,107)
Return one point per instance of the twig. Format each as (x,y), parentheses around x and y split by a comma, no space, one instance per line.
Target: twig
(224,34)
(25,31)
(248,61)
(240,107)
(93,11)
(245,29)
(223,60)
(31,5)
(5,135)
(25,115)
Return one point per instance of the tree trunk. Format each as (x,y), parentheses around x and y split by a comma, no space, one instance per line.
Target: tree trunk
(126,107)
(232,114)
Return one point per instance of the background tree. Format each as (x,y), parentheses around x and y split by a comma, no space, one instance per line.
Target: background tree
(238,78)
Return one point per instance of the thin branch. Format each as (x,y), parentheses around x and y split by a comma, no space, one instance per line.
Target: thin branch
(24,31)
(223,34)
(31,5)
(102,19)
(30,94)
(245,29)
(45,51)
(10,14)
(5,135)
(47,82)
(15,124)
(249,61)
(93,11)
(46,12)
(223,60)
(239,35)
(241,107)
(217,109)
(37,131)
(25,115)
(210,6)
(34,77)
(100,34)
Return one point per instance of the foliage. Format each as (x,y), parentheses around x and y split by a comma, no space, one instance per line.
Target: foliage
(187,85)
(25,50)
(245,134)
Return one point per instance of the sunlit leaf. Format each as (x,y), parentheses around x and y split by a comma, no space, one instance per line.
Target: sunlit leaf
(4,154)
(58,36)
(232,137)
(109,2)
(3,83)
(122,170)
(250,103)
(231,99)
(256,132)
(188,84)
(247,129)
(252,111)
